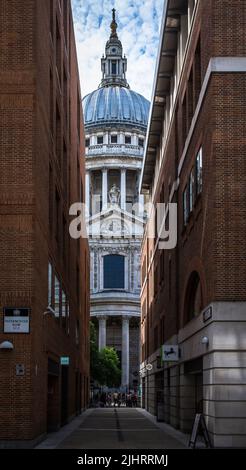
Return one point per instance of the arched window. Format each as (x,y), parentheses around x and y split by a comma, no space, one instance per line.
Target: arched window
(193,301)
(114,272)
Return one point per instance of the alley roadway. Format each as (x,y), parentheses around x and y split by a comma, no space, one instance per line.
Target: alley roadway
(113,428)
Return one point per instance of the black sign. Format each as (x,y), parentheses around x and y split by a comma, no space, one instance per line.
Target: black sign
(199,427)
(16,312)
(207,315)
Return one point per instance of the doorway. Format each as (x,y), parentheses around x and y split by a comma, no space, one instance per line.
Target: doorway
(64,394)
(53,415)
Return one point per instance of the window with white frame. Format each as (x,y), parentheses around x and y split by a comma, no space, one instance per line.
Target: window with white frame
(191,190)
(50,285)
(185,206)
(57,297)
(199,172)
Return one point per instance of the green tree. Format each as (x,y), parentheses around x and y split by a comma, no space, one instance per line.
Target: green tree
(110,371)
(104,364)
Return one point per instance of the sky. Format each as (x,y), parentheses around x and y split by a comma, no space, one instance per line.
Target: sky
(138,29)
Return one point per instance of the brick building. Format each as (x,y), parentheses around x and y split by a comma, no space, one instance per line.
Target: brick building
(194,296)
(44,275)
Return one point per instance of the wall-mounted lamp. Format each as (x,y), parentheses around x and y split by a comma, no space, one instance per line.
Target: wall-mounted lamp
(7,345)
(50,311)
(205,340)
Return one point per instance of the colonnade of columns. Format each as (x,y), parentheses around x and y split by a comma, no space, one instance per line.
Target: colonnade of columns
(125,353)
(105,190)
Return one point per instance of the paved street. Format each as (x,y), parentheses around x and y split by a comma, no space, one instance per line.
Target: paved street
(112,428)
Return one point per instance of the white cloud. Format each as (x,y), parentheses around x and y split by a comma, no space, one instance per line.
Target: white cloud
(138,29)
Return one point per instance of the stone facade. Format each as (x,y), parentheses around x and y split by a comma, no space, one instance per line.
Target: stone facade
(194,296)
(115,124)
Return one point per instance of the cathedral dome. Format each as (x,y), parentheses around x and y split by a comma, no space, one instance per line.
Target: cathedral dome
(112,105)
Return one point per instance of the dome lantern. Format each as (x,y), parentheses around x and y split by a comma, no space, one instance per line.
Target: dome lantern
(114,65)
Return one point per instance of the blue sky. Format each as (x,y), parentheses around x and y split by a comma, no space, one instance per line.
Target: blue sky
(138,29)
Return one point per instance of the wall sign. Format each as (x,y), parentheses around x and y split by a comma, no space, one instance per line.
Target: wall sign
(64,361)
(20,369)
(16,320)
(170,353)
(207,315)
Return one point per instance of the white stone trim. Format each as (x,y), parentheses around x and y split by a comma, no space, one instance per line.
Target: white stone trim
(101,259)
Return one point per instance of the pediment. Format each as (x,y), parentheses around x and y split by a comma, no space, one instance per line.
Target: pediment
(115,223)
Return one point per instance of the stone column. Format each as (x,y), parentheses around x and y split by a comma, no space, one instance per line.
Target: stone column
(123,189)
(141,204)
(125,352)
(104,189)
(88,192)
(102,332)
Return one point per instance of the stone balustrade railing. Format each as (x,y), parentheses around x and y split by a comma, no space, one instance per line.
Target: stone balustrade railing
(114,149)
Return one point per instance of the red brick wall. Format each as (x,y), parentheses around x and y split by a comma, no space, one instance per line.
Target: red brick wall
(214,243)
(26,241)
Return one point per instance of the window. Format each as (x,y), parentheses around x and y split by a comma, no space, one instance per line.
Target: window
(193,301)
(50,285)
(190,98)
(64,309)
(128,139)
(99,139)
(191,190)
(57,297)
(185,206)
(141,142)
(87,142)
(198,72)
(113,68)
(114,139)
(199,172)
(114,272)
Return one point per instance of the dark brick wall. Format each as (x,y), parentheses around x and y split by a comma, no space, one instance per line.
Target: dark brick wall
(213,243)
(27,242)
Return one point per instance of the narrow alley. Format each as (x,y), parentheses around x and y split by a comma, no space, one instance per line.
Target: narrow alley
(114,428)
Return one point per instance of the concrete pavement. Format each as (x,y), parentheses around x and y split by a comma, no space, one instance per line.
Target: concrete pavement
(113,428)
